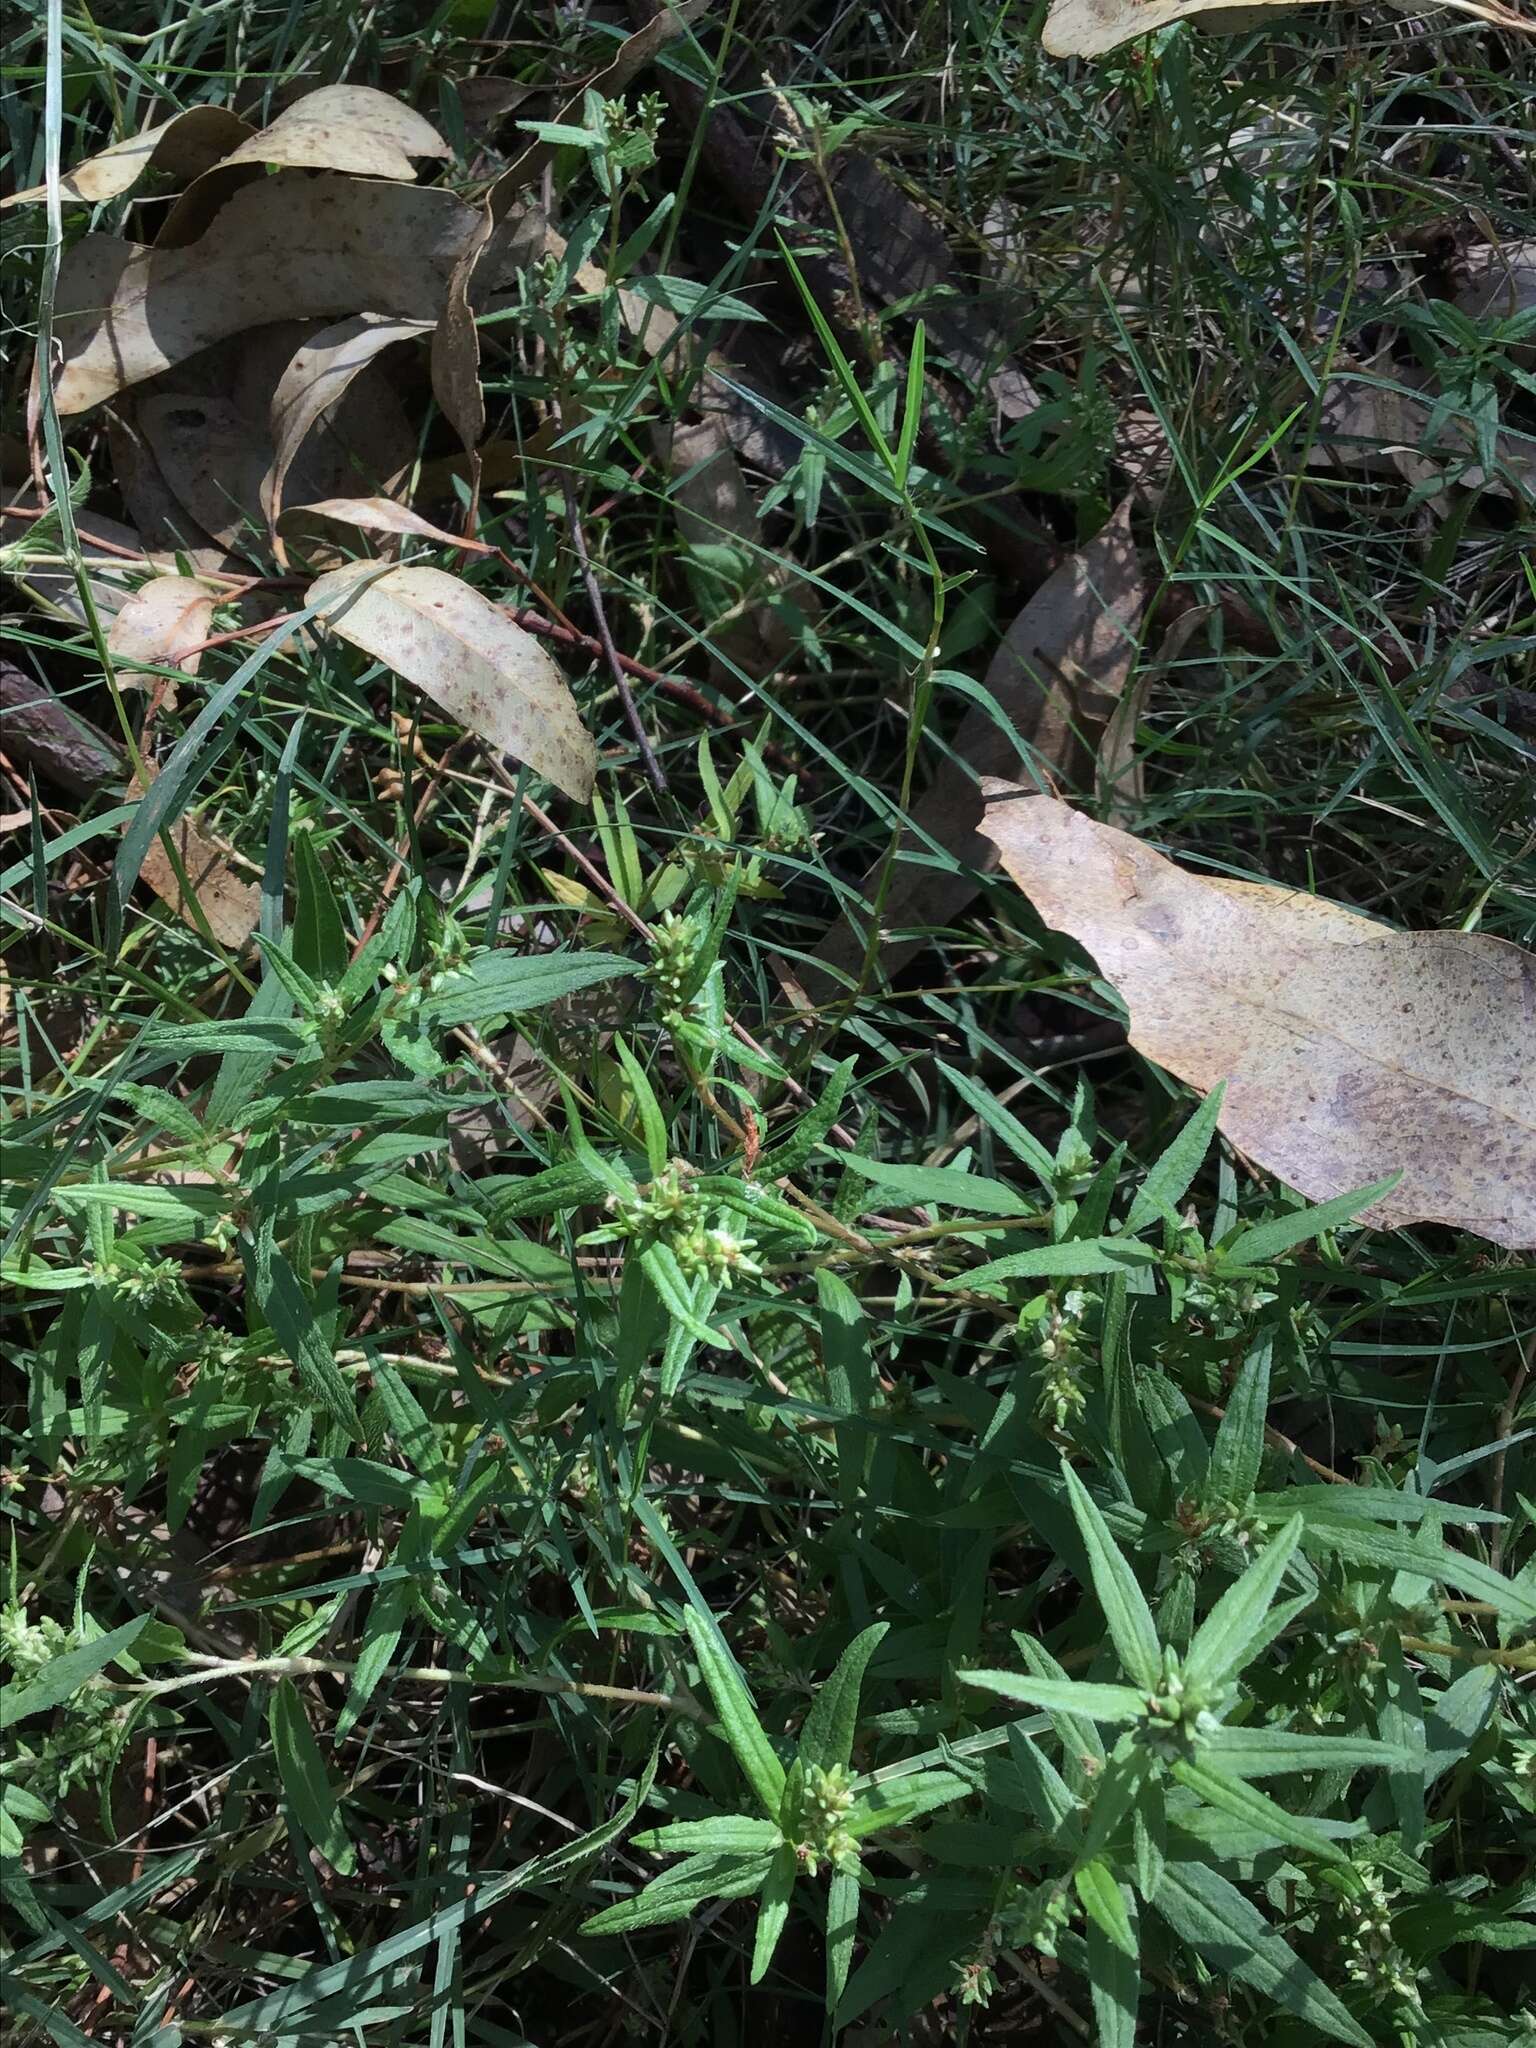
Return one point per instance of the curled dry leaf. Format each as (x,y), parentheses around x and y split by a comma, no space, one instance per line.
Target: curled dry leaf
(380,515)
(42,731)
(317,380)
(164,624)
(230,905)
(1056,678)
(186,145)
(206,428)
(348,128)
(465,654)
(1092,28)
(293,246)
(1350,1051)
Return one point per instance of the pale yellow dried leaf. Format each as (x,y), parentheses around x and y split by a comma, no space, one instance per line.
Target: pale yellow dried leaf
(292,246)
(464,653)
(1350,1051)
(230,904)
(349,128)
(316,381)
(164,624)
(1092,28)
(381,515)
(186,145)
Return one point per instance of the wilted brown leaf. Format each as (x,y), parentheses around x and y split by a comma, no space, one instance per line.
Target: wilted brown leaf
(292,246)
(186,145)
(164,624)
(348,128)
(206,426)
(317,380)
(1092,28)
(1350,1051)
(230,905)
(1056,678)
(380,515)
(467,656)
(42,731)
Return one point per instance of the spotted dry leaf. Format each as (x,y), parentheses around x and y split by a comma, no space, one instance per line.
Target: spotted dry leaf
(295,245)
(186,145)
(1350,1051)
(1092,28)
(464,653)
(164,624)
(230,905)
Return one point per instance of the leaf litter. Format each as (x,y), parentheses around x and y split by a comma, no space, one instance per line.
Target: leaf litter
(1349,1051)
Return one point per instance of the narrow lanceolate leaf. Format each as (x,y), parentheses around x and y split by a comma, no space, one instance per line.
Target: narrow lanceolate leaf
(738,1716)
(1224,1638)
(1276,1753)
(675,1894)
(842,1930)
(308,1790)
(1239,1448)
(830,1726)
(1126,1613)
(1230,1795)
(292,1317)
(1233,1936)
(773,1910)
(464,653)
(1168,1181)
(1063,1696)
(1114,1968)
(729,1834)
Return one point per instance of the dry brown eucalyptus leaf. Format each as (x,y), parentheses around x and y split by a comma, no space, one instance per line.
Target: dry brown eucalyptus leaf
(205,427)
(164,624)
(465,654)
(1350,1051)
(42,731)
(1092,28)
(186,145)
(348,128)
(1056,677)
(317,380)
(230,904)
(293,246)
(380,515)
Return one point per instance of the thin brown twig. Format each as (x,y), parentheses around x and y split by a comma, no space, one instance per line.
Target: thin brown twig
(652,766)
